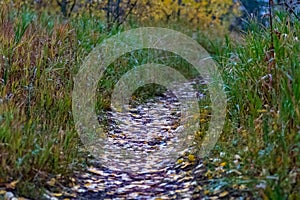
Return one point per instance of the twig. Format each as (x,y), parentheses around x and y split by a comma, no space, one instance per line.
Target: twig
(127,14)
(72,7)
(291,10)
(271,50)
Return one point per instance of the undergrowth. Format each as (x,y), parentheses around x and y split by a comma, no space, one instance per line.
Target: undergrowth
(263,106)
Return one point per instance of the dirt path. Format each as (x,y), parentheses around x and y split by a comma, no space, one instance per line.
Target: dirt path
(150,127)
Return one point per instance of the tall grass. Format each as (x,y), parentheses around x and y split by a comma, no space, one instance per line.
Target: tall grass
(263,112)
(37,61)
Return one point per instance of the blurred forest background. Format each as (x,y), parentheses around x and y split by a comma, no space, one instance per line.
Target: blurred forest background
(204,13)
(220,16)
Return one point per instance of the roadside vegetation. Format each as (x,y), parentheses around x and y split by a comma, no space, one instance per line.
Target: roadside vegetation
(41,52)
(263,90)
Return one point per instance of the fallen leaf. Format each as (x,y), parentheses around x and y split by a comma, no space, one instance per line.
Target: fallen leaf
(56,194)
(51,182)
(87,185)
(180,161)
(262,111)
(223,194)
(242,187)
(66,194)
(95,171)
(202,120)
(73,179)
(191,158)
(12,185)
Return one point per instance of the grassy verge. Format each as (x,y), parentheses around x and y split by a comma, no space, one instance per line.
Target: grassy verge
(39,56)
(263,123)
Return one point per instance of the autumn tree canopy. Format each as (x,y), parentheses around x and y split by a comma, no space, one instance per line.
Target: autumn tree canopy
(201,13)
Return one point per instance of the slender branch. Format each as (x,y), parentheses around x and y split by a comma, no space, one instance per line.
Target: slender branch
(72,7)
(271,3)
(291,10)
(58,3)
(271,48)
(127,14)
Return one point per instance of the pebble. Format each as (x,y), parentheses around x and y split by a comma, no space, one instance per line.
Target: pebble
(8,196)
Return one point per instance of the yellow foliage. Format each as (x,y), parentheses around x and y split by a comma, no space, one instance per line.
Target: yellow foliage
(198,13)
(203,14)
(191,158)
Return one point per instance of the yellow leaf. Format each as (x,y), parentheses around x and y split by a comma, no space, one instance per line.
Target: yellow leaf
(56,194)
(206,192)
(223,164)
(202,120)
(94,170)
(191,158)
(12,185)
(262,111)
(208,174)
(242,187)
(87,185)
(180,161)
(2,192)
(51,182)
(223,194)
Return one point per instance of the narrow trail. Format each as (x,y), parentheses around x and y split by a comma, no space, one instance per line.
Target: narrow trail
(146,127)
